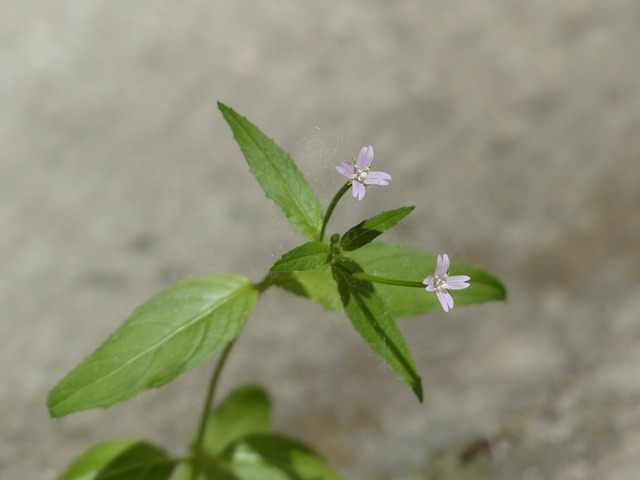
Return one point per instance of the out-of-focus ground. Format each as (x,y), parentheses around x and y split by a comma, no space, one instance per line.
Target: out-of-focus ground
(513,126)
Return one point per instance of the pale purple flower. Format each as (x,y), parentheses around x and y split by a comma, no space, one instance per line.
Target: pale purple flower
(440,282)
(360,174)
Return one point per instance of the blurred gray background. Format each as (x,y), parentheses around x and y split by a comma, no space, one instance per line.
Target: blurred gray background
(513,126)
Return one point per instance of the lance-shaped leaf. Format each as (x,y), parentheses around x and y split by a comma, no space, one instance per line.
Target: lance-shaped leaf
(245,411)
(271,457)
(403,263)
(173,332)
(308,256)
(369,229)
(121,460)
(279,177)
(373,322)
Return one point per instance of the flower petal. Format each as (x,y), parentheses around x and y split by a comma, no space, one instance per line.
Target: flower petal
(375,181)
(458,282)
(429,283)
(449,299)
(365,157)
(358,190)
(440,270)
(377,178)
(446,300)
(445,262)
(346,171)
(379,175)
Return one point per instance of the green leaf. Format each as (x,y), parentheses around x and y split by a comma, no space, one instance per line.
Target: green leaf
(171,333)
(279,177)
(402,263)
(315,284)
(272,457)
(308,256)
(121,460)
(372,321)
(245,411)
(366,231)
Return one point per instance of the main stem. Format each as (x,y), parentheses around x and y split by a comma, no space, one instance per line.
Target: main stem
(197,446)
(331,208)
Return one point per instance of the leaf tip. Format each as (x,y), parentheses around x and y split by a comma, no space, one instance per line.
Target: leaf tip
(55,405)
(503,291)
(51,404)
(417,388)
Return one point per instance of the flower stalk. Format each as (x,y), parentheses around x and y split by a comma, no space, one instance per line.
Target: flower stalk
(387,281)
(334,201)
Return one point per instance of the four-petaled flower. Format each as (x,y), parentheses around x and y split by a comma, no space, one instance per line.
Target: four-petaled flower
(440,282)
(360,174)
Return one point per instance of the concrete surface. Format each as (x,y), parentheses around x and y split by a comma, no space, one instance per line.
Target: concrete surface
(513,126)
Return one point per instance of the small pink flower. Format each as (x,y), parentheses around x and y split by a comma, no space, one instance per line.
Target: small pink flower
(440,282)
(360,174)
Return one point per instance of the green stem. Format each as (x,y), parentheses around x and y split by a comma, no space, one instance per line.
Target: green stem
(331,208)
(388,281)
(197,446)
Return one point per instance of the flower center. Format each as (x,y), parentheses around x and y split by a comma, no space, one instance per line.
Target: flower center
(440,283)
(359,175)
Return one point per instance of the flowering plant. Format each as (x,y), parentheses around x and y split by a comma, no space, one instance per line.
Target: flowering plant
(373,282)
